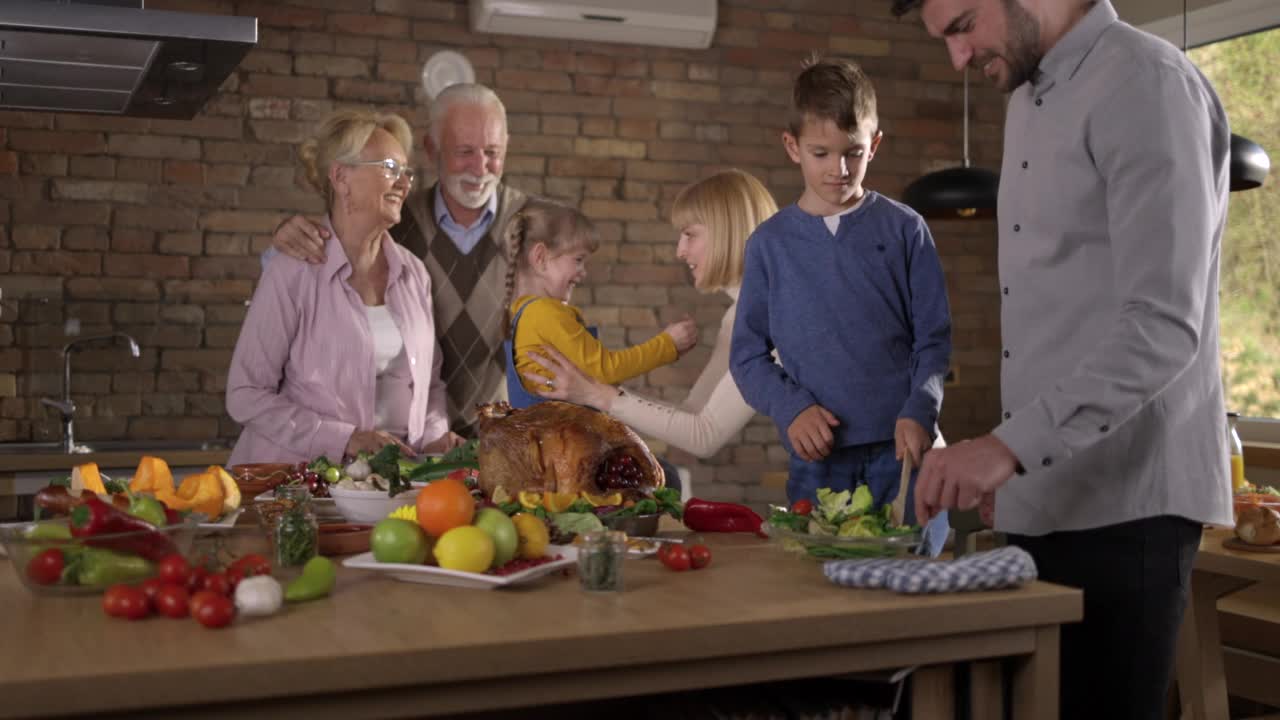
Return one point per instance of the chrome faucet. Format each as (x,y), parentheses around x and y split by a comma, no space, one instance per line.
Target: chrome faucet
(66,406)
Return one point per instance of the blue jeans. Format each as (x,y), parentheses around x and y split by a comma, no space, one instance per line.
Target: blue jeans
(873,465)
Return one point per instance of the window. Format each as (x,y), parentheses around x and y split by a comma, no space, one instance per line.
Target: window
(1242,69)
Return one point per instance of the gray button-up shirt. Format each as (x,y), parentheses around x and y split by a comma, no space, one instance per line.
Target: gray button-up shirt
(1113,198)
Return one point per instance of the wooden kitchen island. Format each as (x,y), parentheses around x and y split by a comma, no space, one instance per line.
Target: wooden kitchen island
(380,647)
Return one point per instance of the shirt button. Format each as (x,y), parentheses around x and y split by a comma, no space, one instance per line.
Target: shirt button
(1017,228)
(1005,290)
(1039,102)
(1006,353)
(1104,428)
(1024,164)
(1008,415)
(1046,462)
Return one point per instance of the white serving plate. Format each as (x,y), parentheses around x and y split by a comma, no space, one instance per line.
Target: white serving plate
(431,575)
(227,520)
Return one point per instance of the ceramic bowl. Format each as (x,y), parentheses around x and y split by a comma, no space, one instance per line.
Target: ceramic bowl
(257,478)
(368,506)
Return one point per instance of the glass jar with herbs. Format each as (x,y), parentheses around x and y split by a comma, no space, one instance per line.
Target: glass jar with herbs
(295,533)
(600,560)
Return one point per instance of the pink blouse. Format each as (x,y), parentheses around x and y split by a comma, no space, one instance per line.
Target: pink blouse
(303,377)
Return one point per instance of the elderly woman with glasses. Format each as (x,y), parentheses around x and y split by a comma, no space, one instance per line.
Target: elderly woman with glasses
(339,357)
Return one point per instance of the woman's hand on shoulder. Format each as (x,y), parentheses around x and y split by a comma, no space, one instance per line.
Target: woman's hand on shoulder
(301,239)
(567,381)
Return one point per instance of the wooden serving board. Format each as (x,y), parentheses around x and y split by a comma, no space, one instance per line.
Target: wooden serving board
(1235,543)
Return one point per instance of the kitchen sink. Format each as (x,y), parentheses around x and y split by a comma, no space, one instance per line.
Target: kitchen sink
(92,446)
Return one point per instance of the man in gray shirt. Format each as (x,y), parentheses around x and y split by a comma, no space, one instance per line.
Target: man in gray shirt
(1112,449)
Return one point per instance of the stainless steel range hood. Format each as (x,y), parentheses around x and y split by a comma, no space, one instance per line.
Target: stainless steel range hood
(115,57)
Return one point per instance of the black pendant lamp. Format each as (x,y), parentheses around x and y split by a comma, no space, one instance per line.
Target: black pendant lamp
(1249,163)
(958,193)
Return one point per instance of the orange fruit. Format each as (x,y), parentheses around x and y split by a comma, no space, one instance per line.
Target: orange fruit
(444,505)
(557,501)
(602,500)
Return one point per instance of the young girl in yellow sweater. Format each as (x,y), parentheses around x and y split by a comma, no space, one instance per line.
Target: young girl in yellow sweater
(549,244)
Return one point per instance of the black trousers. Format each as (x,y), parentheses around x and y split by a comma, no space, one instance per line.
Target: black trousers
(1136,576)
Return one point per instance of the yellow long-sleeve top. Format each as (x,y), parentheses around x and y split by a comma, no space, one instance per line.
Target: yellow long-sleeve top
(547,321)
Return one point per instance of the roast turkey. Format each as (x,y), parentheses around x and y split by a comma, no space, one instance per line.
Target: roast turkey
(561,447)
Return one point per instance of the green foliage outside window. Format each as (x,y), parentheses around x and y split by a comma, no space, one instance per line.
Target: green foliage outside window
(1244,70)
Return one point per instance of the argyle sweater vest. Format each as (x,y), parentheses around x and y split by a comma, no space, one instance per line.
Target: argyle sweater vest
(467,293)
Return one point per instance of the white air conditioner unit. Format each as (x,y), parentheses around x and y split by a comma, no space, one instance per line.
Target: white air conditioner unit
(669,23)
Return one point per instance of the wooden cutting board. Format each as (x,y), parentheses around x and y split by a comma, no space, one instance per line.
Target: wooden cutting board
(1235,543)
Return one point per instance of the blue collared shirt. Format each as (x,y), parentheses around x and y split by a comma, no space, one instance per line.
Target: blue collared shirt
(466,238)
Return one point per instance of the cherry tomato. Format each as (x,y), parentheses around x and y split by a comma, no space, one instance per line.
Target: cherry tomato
(195,582)
(676,557)
(217,582)
(802,507)
(174,569)
(126,601)
(150,587)
(234,576)
(211,609)
(699,556)
(253,564)
(173,601)
(46,567)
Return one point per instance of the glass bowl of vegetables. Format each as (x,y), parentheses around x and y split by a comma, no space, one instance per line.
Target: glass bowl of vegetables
(841,526)
(89,551)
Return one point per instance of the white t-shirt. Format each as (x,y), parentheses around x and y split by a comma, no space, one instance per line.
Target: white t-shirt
(833,221)
(394,383)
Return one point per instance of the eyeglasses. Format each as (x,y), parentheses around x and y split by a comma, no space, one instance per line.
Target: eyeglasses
(391,168)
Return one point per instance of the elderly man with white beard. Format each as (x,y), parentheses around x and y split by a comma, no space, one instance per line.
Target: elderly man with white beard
(456,227)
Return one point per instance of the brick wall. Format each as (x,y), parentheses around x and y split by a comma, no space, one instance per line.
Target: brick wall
(154,227)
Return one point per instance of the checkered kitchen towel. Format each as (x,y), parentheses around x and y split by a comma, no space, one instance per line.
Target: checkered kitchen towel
(1005,567)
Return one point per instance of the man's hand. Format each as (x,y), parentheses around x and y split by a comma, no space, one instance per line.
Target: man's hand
(444,443)
(301,239)
(910,437)
(810,433)
(961,475)
(372,441)
(684,333)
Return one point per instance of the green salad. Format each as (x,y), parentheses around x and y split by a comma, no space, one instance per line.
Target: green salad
(837,515)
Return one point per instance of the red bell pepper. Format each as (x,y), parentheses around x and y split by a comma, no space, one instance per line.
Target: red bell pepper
(99,524)
(707,516)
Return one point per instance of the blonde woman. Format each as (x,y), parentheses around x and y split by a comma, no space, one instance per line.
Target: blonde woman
(341,356)
(714,217)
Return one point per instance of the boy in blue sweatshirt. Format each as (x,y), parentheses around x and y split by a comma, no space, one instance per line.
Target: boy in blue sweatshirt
(847,287)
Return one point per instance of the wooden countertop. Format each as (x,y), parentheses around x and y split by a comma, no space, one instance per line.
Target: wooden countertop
(37,461)
(1214,558)
(755,614)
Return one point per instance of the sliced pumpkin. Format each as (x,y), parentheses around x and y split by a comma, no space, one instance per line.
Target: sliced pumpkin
(201,493)
(153,476)
(230,490)
(87,477)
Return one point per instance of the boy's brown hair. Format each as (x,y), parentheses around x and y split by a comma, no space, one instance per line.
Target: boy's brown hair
(832,89)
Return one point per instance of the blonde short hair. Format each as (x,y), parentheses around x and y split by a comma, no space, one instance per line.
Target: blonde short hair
(340,138)
(731,204)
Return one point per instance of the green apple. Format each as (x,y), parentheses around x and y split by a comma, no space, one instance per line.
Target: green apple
(394,540)
(499,527)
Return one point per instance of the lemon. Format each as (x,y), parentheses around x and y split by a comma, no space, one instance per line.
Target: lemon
(466,548)
(529,500)
(557,502)
(533,535)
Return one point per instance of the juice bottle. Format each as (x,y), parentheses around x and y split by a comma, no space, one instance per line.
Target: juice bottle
(1236,449)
